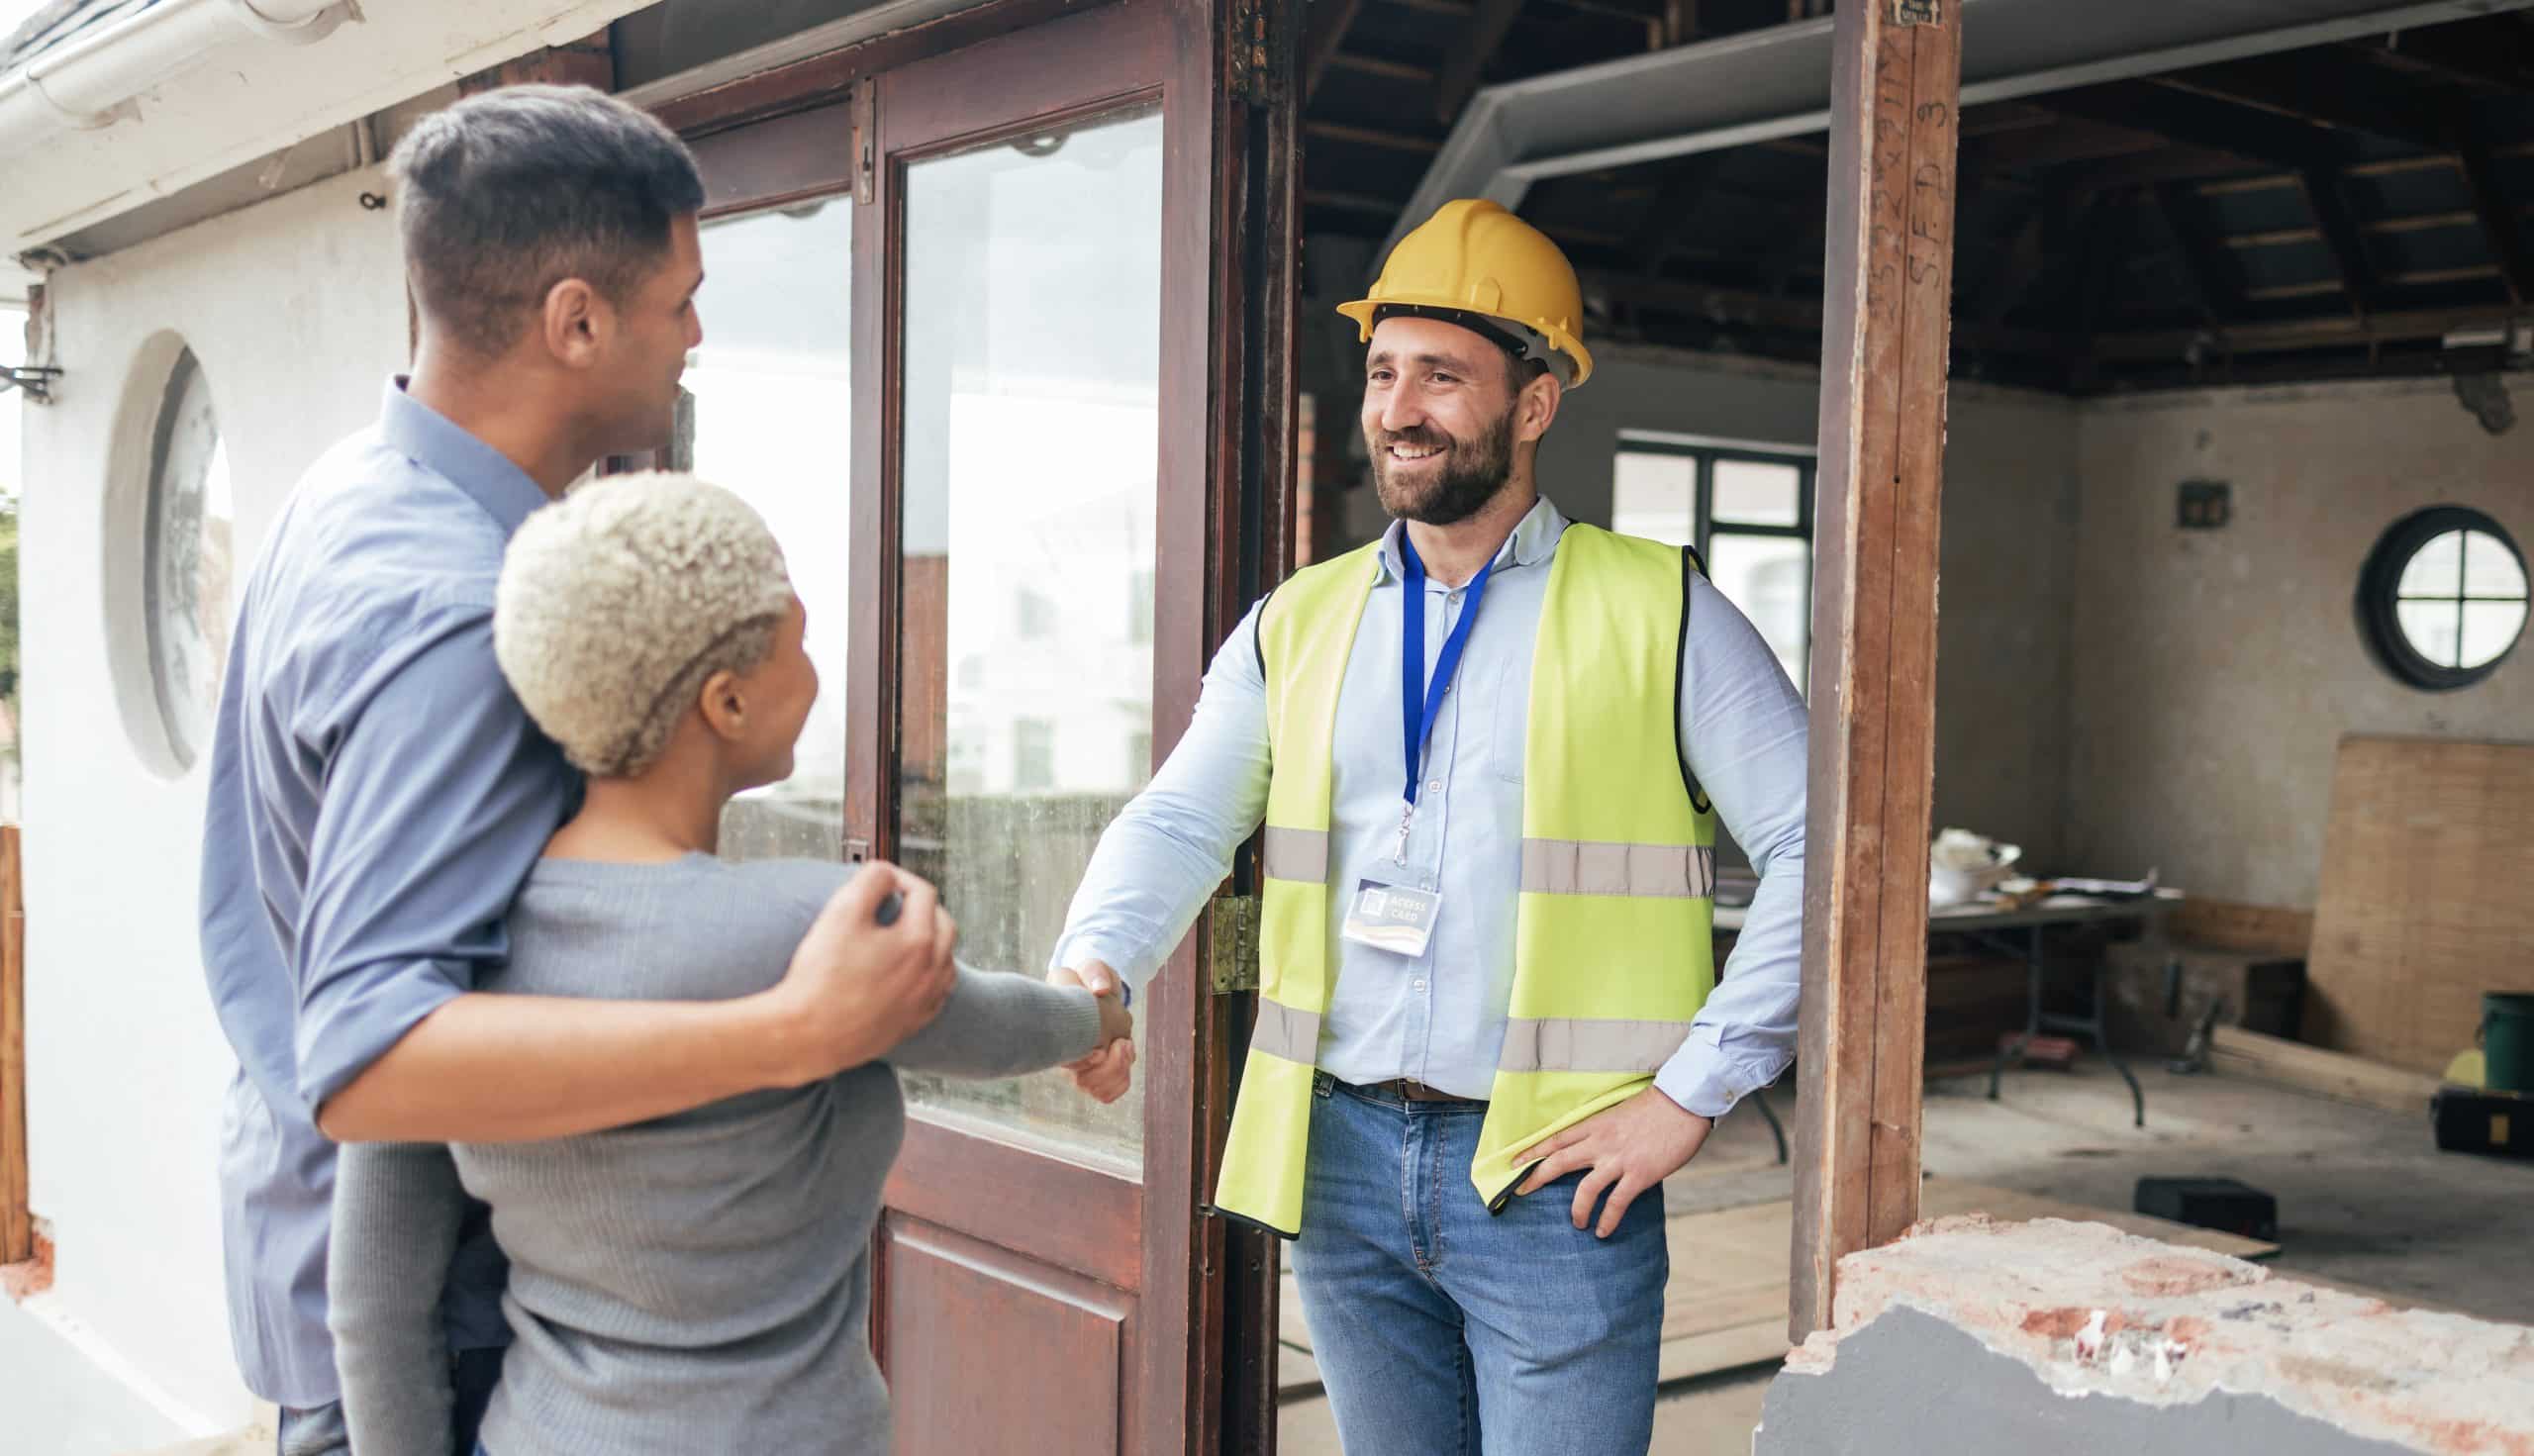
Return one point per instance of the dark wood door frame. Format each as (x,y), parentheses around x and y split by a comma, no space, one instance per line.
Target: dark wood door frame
(1225,436)
(1886,307)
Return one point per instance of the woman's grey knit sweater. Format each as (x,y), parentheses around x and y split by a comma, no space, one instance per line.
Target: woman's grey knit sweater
(694,1284)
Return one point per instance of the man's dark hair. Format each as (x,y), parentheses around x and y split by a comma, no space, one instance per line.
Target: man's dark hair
(507,194)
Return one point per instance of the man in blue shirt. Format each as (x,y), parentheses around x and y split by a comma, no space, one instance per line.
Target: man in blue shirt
(377,794)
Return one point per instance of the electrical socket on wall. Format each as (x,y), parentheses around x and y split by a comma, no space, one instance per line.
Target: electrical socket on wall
(2203,505)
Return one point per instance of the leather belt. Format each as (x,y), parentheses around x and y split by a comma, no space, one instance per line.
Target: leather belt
(1401,1087)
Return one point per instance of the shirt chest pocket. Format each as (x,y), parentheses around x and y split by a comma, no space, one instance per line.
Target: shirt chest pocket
(1508,718)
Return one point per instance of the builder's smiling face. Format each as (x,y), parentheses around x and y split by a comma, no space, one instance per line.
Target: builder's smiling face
(1440,403)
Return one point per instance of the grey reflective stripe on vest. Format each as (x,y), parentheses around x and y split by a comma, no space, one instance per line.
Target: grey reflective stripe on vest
(1562,1044)
(1294,854)
(1584,867)
(1281,1031)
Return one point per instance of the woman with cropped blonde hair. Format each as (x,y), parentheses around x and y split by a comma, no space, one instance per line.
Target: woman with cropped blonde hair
(698,1283)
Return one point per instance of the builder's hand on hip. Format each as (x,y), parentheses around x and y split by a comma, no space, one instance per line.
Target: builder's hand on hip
(1106,1074)
(857,987)
(1627,1149)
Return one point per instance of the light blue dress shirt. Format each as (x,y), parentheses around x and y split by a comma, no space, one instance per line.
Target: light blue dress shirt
(1440,1018)
(377,795)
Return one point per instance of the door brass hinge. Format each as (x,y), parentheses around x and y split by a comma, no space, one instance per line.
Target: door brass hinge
(1232,931)
(1255,71)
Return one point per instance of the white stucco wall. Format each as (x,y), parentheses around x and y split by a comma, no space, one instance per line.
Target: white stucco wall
(296,311)
(2217,671)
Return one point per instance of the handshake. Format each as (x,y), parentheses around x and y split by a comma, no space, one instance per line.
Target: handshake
(876,966)
(1107,1073)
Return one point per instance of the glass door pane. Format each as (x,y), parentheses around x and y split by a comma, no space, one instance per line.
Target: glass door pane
(1032,397)
(771,401)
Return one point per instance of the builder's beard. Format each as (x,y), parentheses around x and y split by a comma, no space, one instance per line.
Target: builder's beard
(1448,488)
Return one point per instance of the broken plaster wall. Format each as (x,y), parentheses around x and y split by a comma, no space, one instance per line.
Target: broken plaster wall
(1968,1338)
(2216,671)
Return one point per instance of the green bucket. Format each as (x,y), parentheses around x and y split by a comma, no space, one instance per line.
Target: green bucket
(2507,1040)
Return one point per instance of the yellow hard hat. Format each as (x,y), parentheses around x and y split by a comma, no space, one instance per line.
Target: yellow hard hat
(1473,257)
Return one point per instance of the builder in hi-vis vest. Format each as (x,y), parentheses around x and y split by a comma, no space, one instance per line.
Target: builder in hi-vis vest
(1482,750)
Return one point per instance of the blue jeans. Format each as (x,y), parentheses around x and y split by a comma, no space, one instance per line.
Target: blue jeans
(1442,1329)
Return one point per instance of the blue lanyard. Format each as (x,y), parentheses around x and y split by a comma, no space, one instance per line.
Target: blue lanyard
(1420,702)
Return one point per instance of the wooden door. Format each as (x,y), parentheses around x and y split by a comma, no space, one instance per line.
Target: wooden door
(1053,500)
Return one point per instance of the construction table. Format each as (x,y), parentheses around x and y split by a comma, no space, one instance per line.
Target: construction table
(2023,934)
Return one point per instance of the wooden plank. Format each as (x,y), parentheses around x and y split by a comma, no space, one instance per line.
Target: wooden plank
(2426,859)
(2248,929)
(2326,1073)
(17,1226)
(1886,303)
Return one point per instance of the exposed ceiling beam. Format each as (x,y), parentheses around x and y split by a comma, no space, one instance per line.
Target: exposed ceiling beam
(1685,183)
(2172,164)
(2217,278)
(1353,202)
(1680,25)
(1370,136)
(2002,288)
(2003,116)
(1374,65)
(1322,35)
(2502,58)
(2319,89)
(2340,232)
(2300,334)
(1774,82)
(2063,139)
(2273,237)
(2204,123)
(2500,224)
(2107,246)
(1461,69)
(1741,308)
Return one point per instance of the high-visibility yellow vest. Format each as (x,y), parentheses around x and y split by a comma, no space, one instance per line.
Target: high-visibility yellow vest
(1613,953)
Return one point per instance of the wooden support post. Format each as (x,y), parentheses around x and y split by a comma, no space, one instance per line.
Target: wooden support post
(1887,299)
(17,1232)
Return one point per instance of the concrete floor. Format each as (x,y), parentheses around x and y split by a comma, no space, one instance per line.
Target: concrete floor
(2365,1199)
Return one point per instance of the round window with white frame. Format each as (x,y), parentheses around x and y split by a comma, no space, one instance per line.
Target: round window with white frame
(186,573)
(2443,600)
